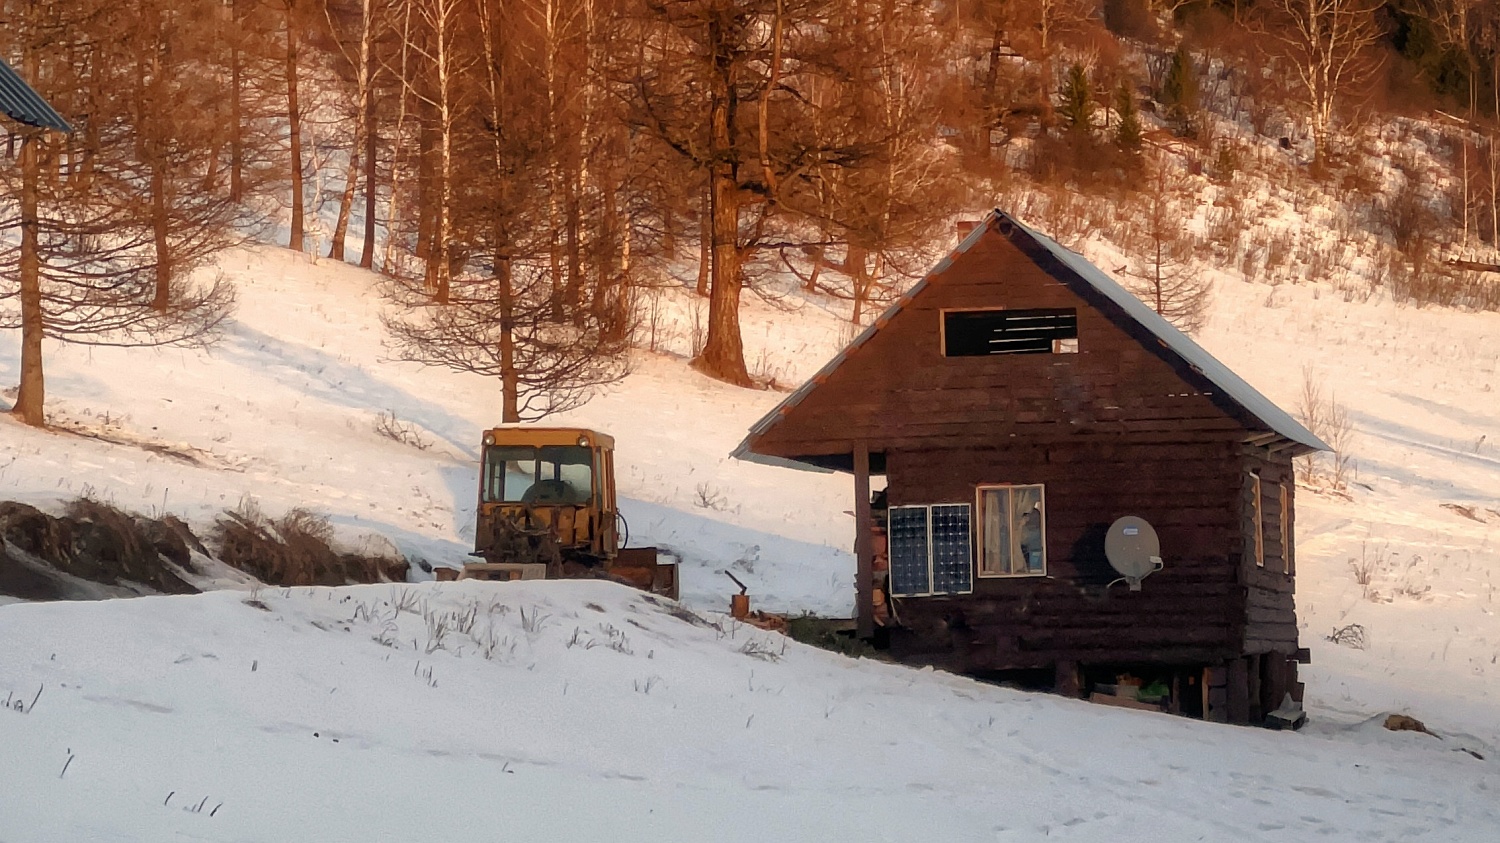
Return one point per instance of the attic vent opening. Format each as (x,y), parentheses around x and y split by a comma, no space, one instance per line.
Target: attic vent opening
(980,333)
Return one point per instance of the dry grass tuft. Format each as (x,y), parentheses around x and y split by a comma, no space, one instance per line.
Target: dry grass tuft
(294,550)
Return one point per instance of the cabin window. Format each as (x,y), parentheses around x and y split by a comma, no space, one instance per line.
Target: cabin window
(551,474)
(1286,528)
(1257,511)
(930,550)
(1012,531)
(980,333)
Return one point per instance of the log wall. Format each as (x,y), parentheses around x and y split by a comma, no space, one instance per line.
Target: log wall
(1270,614)
(1191,612)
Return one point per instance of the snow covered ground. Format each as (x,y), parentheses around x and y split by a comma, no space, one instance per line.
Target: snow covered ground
(209,698)
(284,410)
(572,711)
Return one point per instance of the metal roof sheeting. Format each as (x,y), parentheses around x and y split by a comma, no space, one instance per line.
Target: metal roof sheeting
(1232,385)
(1247,396)
(24,105)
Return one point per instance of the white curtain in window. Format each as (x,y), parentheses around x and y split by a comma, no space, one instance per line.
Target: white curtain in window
(996,555)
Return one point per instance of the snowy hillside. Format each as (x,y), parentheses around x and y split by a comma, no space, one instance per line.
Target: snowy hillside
(697,732)
(1421,387)
(586,711)
(284,412)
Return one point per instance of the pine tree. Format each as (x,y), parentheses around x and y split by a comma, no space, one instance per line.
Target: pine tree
(1128,127)
(1078,101)
(1179,93)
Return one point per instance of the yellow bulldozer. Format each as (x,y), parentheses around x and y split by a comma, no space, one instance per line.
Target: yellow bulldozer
(547,509)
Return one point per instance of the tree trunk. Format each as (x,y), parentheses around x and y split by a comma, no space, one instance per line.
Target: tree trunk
(856,264)
(510,380)
(294,127)
(723,354)
(606,304)
(817,268)
(367,256)
(400,146)
(424,187)
(159,225)
(668,231)
(442,235)
(572,223)
(346,206)
(705,243)
(33,391)
(991,84)
(1494,151)
(1474,266)
(236,96)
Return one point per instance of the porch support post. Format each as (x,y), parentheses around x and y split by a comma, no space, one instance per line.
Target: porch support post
(864,586)
(1239,691)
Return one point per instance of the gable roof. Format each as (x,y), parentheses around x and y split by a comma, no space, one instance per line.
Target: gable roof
(24,105)
(1067,262)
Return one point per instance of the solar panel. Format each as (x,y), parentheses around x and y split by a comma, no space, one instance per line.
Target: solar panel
(952,549)
(907,547)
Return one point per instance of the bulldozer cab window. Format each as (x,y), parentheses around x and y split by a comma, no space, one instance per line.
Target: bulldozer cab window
(552,474)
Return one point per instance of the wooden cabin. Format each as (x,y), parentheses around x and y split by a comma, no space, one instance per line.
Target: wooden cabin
(1018,402)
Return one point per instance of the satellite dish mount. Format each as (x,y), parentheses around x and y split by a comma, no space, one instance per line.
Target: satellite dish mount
(1133,550)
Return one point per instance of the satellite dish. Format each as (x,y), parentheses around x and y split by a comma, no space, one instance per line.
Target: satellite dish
(1133,550)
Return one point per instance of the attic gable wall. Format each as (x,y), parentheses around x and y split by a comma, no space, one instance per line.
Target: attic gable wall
(898,391)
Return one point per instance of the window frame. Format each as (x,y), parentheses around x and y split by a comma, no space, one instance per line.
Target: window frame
(1258,517)
(1286,528)
(931,556)
(979,540)
(1056,349)
(542,469)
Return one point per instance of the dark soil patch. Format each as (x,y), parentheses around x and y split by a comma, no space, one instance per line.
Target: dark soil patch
(111,546)
(94,542)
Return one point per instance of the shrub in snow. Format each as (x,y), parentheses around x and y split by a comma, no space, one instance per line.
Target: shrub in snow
(294,550)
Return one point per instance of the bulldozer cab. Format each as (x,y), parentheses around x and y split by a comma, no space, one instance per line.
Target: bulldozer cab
(547,509)
(558,481)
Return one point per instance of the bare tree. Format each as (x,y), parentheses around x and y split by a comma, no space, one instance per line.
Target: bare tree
(1160,271)
(444,57)
(357,26)
(1327,419)
(884,210)
(1484,43)
(499,317)
(178,131)
(241,62)
(1328,46)
(718,83)
(292,26)
(498,323)
(1458,23)
(95,263)
(729,86)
